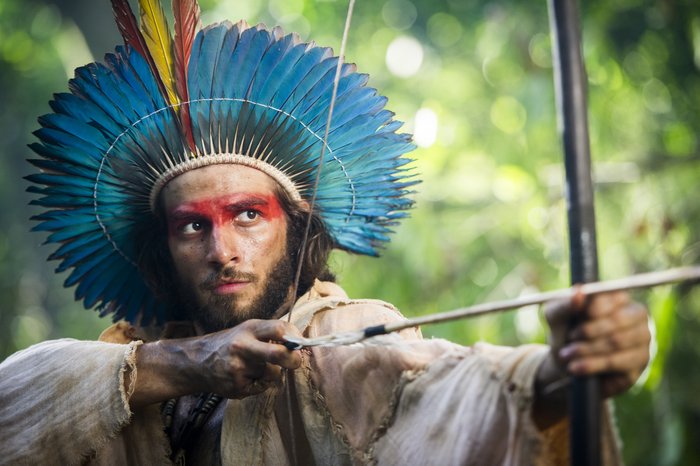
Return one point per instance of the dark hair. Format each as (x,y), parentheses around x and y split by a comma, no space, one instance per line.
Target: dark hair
(319,243)
(158,270)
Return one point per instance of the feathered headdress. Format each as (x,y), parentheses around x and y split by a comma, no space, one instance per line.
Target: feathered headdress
(167,103)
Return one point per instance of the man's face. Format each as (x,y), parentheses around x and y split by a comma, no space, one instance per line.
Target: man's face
(227,235)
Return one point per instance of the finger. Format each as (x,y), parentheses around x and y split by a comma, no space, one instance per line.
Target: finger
(268,352)
(614,384)
(631,361)
(272,330)
(559,311)
(631,337)
(283,356)
(273,373)
(606,303)
(632,314)
(254,369)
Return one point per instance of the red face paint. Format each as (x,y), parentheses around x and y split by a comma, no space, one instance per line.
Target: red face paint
(222,210)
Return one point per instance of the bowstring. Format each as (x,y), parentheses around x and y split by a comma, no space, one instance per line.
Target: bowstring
(312,205)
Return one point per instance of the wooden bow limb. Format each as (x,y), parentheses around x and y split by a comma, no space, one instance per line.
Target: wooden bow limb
(644,280)
(570,90)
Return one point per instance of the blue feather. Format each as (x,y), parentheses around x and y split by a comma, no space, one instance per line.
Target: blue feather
(87,240)
(70,125)
(269,66)
(219,81)
(300,70)
(69,104)
(318,80)
(92,286)
(244,63)
(84,85)
(52,136)
(205,53)
(115,120)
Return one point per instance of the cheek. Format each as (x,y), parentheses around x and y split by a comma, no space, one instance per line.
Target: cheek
(184,256)
(270,245)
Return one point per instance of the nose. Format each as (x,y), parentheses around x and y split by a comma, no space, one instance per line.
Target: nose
(223,246)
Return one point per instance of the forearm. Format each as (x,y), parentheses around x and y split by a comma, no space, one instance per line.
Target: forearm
(164,369)
(233,363)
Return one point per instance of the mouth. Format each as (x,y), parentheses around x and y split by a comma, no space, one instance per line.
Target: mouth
(230,287)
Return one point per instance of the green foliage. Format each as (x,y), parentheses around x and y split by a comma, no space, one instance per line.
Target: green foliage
(489,221)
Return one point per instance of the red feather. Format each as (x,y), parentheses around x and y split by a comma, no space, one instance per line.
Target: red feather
(187,23)
(129,29)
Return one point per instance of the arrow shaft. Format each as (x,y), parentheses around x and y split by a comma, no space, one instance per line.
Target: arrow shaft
(645,280)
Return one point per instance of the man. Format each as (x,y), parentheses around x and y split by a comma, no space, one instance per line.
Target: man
(179,195)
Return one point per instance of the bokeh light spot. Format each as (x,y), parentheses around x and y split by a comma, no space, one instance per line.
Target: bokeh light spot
(657,97)
(679,140)
(72,48)
(29,329)
(502,73)
(444,30)
(540,50)
(17,48)
(286,11)
(637,65)
(404,56)
(399,14)
(538,218)
(426,127)
(486,273)
(527,323)
(695,34)
(248,9)
(512,184)
(46,22)
(508,115)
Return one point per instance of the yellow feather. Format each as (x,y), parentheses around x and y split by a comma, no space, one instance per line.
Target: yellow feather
(154,27)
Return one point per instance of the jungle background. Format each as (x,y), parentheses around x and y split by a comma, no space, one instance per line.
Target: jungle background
(472,79)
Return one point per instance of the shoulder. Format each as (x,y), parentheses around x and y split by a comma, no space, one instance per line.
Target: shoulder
(327,309)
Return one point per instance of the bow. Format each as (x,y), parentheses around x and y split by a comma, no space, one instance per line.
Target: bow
(570,87)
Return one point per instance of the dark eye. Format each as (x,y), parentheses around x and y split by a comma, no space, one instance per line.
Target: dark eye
(192,227)
(248,216)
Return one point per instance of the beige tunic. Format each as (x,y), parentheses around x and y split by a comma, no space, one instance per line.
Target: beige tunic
(402,400)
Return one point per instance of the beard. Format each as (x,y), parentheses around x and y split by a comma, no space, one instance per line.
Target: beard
(219,312)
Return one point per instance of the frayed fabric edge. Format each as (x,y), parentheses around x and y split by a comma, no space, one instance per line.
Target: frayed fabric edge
(128,363)
(407,377)
(128,366)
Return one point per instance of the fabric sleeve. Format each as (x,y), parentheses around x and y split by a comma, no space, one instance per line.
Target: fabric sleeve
(412,401)
(62,400)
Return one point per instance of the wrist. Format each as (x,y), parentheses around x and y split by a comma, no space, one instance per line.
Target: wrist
(164,370)
(550,393)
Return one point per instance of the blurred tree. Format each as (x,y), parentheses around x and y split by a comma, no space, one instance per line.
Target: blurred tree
(473,81)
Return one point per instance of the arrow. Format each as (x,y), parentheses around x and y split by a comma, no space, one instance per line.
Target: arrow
(645,280)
